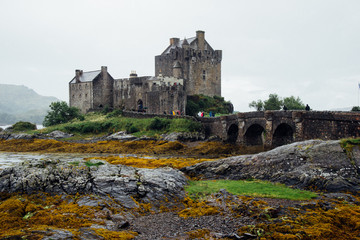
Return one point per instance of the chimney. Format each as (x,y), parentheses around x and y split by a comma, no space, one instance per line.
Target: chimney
(133,74)
(174,41)
(103,70)
(200,35)
(78,74)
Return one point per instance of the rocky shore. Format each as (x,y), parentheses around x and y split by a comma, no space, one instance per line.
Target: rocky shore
(93,199)
(313,164)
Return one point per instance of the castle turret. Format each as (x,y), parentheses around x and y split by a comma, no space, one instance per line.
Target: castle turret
(177,70)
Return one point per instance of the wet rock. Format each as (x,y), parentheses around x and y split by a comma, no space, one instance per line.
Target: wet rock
(59,134)
(24,136)
(318,164)
(184,136)
(122,136)
(58,234)
(122,183)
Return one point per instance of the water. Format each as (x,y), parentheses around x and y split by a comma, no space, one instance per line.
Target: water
(8,159)
(38,126)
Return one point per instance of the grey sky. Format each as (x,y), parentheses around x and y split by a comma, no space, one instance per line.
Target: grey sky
(305,48)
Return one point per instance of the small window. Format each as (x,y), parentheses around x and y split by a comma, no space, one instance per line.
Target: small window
(204,75)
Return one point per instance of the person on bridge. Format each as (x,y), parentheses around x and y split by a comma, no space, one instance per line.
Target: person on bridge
(285,108)
(307,108)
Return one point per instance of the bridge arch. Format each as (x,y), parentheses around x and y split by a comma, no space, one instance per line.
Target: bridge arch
(254,135)
(283,134)
(232,133)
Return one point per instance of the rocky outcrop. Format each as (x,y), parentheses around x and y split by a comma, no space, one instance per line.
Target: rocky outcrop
(322,165)
(122,183)
(9,136)
(184,136)
(58,134)
(122,136)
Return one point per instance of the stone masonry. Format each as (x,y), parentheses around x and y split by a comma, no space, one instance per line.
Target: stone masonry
(186,67)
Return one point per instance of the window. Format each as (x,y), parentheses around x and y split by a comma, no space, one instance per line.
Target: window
(204,75)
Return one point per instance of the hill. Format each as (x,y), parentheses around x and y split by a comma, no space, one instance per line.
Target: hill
(20,103)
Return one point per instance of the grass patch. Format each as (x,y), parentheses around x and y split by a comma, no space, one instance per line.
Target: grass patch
(98,124)
(255,188)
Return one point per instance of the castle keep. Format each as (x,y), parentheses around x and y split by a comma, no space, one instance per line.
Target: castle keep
(186,67)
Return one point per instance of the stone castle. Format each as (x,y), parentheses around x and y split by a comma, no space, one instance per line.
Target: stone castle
(186,67)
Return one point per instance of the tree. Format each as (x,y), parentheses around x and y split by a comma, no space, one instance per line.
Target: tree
(60,113)
(273,103)
(258,105)
(293,103)
(355,109)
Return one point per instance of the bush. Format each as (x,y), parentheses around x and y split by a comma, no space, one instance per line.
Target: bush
(23,126)
(355,109)
(115,113)
(60,113)
(159,123)
(197,103)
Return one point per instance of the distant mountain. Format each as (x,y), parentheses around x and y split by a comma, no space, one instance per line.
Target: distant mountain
(20,103)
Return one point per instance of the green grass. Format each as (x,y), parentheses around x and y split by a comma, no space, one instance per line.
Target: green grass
(255,188)
(100,124)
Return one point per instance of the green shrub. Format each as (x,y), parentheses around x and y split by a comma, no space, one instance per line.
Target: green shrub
(159,123)
(60,113)
(23,126)
(115,113)
(216,104)
(355,109)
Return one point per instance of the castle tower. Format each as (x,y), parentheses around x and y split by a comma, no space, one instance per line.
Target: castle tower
(177,70)
(195,61)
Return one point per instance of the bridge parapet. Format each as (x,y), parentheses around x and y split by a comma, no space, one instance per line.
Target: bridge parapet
(272,128)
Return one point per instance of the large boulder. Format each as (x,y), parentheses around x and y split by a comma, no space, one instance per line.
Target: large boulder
(313,164)
(122,183)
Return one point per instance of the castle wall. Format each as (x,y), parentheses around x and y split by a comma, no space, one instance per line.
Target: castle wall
(103,86)
(155,98)
(81,96)
(201,69)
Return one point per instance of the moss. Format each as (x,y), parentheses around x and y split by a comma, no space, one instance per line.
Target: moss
(148,162)
(135,147)
(199,234)
(107,234)
(197,209)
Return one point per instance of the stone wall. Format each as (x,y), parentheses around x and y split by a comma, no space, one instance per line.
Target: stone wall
(103,90)
(80,95)
(274,128)
(198,64)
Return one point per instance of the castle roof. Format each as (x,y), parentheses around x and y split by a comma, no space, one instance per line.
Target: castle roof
(87,76)
(180,44)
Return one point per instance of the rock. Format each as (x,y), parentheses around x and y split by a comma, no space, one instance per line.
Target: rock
(122,136)
(59,134)
(318,164)
(184,136)
(122,183)
(59,234)
(24,136)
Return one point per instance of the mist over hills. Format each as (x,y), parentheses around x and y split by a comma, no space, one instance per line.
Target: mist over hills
(20,103)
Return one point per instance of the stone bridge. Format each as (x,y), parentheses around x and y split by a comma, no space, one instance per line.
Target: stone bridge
(275,128)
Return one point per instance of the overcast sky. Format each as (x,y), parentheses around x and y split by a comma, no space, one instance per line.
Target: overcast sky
(305,48)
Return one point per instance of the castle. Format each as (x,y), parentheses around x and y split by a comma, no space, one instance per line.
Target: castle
(186,67)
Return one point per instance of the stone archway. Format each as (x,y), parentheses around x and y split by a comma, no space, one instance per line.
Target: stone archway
(283,134)
(232,133)
(254,135)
